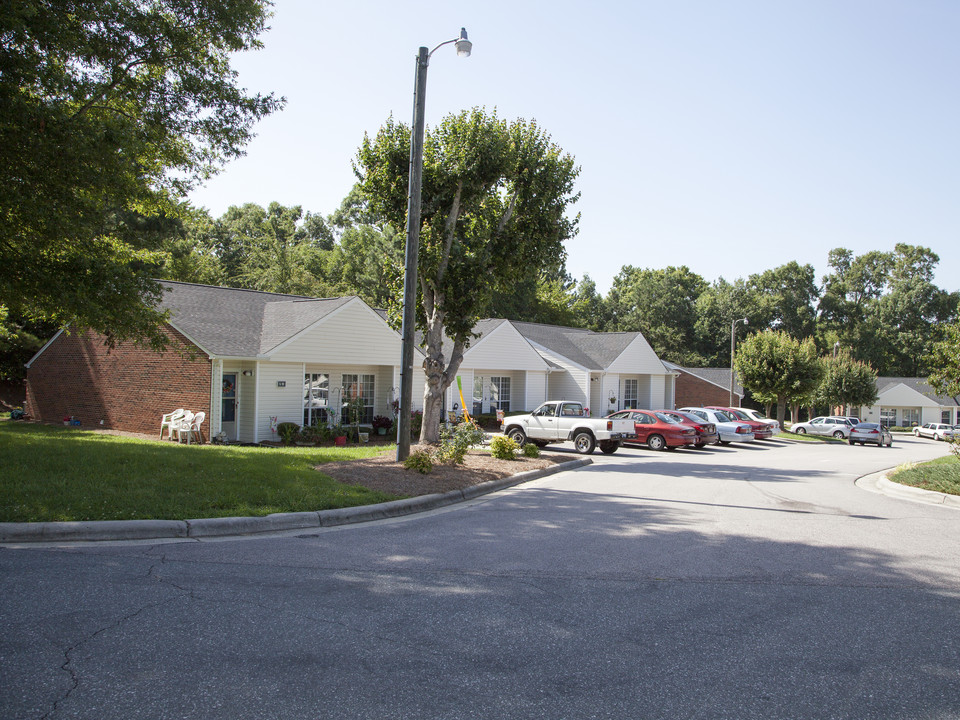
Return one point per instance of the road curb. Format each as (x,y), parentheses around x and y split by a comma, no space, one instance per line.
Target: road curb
(881,483)
(105,530)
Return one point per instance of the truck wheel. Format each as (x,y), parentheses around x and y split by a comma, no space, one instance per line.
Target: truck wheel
(609,447)
(584,443)
(656,442)
(518,436)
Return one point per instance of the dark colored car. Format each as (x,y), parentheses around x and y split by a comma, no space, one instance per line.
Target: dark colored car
(656,430)
(706,431)
(761,430)
(870,433)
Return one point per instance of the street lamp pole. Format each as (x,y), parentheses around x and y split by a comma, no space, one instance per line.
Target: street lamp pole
(733,334)
(415,183)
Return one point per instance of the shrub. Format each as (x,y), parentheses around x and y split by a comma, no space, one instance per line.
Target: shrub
(420,461)
(382,421)
(416,422)
(455,442)
(503,448)
(287,431)
(530,450)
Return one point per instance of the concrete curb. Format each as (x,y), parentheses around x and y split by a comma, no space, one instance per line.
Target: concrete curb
(880,483)
(105,530)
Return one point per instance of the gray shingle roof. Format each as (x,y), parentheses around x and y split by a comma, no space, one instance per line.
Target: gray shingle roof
(592,350)
(232,322)
(918,384)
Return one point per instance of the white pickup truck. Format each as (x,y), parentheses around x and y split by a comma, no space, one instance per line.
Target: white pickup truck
(560,420)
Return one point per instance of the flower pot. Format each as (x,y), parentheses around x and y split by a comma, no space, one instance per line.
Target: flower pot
(381,431)
(340,441)
(364,437)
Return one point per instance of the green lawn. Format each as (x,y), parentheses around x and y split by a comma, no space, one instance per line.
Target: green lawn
(806,437)
(50,473)
(941,475)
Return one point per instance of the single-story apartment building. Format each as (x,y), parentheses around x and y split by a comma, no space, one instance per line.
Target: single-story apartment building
(515,366)
(698,387)
(909,401)
(248,359)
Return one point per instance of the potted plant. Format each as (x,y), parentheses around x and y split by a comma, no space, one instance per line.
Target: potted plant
(381,424)
(339,435)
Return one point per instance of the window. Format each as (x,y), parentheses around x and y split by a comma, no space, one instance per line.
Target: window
(888,417)
(631,391)
(500,393)
(362,387)
(945,417)
(911,417)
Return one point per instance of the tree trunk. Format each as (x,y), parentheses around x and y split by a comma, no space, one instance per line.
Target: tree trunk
(781,411)
(439,377)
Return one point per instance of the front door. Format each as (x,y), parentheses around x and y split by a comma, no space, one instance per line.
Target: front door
(228,406)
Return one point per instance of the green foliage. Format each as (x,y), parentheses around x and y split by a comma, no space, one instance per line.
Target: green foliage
(111,111)
(503,448)
(455,442)
(530,450)
(419,460)
(944,358)
(846,382)
(287,432)
(774,364)
(494,217)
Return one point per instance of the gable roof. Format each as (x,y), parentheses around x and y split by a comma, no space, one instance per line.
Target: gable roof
(233,322)
(586,348)
(919,385)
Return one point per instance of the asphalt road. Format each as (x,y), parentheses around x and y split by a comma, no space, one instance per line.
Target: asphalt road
(742,582)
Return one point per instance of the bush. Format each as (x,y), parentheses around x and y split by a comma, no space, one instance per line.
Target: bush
(416,423)
(287,431)
(455,442)
(420,461)
(503,448)
(530,450)
(382,421)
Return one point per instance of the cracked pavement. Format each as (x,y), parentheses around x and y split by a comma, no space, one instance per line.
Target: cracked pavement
(732,583)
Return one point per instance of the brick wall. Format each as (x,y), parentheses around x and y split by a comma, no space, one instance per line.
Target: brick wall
(696,392)
(128,387)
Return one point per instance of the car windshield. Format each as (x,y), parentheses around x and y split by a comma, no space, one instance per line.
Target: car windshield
(723,417)
(867,426)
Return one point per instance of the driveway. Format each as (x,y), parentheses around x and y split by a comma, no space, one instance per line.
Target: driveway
(753,581)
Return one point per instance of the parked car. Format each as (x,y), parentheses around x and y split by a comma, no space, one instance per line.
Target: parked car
(730,430)
(760,417)
(656,430)
(937,431)
(871,433)
(761,430)
(835,425)
(706,431)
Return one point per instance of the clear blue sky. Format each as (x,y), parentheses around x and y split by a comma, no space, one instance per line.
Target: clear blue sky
(729,136)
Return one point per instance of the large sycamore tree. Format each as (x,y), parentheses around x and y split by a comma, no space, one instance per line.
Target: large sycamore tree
(110,111)
(495,204)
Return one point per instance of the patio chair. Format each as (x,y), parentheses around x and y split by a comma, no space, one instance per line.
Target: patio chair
(183,426)
(192,428)
(171,421)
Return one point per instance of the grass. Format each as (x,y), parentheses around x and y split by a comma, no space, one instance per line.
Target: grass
(51,473)
(807,437)
(940,475)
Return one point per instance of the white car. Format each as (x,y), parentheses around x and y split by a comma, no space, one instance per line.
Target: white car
(757,416)
(937,431)
(729,429)
(835,425)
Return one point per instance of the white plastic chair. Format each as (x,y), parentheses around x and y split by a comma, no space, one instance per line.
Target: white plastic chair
(184,426)
(171,421)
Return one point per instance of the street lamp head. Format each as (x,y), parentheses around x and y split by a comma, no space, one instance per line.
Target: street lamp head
(745,321)
(464,46)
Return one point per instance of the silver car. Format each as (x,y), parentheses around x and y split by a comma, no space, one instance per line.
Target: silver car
(835,425)
(730,429)
(871,433)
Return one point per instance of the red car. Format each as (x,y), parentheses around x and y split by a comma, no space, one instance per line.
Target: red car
(657,431)
(761,431)
(706,431)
